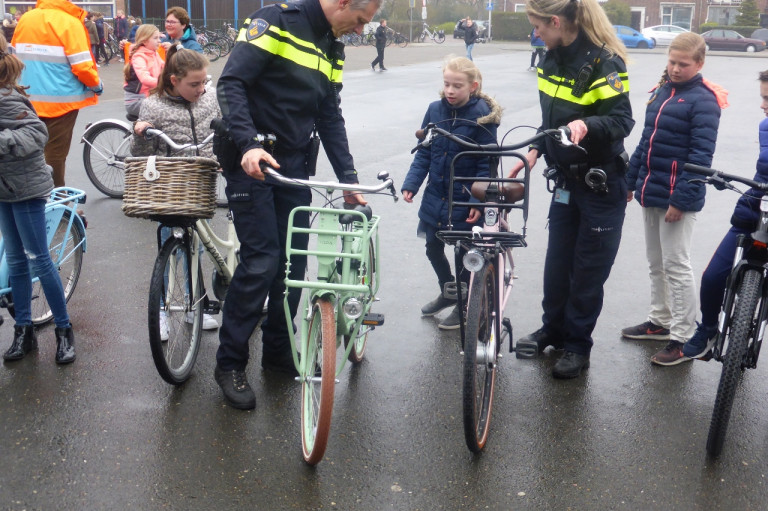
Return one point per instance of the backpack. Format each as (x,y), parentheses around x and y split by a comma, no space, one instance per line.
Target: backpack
(133,84)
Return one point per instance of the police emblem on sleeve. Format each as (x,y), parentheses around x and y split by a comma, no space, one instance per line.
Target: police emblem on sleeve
(256,29)
(615,82)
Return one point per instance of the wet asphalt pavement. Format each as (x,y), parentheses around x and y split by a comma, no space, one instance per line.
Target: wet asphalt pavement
(108,433)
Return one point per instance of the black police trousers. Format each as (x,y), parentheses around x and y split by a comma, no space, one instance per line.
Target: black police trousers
(260,212)
(584,237)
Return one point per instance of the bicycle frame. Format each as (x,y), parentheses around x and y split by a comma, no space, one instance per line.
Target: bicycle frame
(62,199)
(334,280)
(110,158)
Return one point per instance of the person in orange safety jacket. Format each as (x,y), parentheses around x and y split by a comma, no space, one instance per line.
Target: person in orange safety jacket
(59,70)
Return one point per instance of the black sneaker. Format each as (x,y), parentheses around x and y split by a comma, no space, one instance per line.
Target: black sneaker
(671,355)
(570,365)
(701,342)
(437,305)
(237,392)
(452,322)
(647,331)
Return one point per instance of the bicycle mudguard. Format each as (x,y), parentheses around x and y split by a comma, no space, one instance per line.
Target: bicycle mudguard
(90,128)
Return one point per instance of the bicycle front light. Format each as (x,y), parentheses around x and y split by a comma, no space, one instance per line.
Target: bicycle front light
(352,308)
(474,260)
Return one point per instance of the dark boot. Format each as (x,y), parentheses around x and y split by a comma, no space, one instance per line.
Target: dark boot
(24,341)
(65,345)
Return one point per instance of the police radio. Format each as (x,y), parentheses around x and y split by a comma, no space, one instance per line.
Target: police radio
(583,78)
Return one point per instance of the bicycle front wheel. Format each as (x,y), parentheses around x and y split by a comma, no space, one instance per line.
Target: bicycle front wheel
(317,381)
(739,333)
(104,153)
(359,337)
(402,42)
(479,369)
(174,312)
(68,262)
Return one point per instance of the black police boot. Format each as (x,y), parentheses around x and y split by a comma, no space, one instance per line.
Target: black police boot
(24,341)
(570,365)
(237,391)
(65,345)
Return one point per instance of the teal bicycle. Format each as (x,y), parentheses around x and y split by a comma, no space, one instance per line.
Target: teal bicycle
(336,306)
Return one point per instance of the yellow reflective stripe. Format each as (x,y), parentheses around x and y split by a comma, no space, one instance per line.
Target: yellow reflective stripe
(560,88)
(308,55)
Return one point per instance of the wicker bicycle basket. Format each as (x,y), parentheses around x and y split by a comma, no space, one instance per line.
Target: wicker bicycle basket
(178,186)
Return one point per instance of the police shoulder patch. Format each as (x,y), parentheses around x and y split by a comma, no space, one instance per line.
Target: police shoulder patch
(614,81)
(256,29)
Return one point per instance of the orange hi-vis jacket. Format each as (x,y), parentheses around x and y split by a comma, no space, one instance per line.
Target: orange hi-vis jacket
(59,69)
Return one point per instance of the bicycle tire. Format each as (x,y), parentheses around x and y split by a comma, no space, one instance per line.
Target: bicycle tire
(317,391)
(479,373)
(422,37)
(402,41)
(68,266)
(440,38)
(170,290)
(104,153)
(748,298)
(369,276)
(212,51)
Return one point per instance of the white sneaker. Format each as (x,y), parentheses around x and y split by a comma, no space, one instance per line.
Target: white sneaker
(165,332)
(209,322)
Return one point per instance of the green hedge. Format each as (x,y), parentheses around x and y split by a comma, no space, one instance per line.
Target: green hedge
(510,26)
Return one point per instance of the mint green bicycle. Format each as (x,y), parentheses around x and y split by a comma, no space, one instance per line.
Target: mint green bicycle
(336,306)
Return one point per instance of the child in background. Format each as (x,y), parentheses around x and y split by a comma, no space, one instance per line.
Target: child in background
(183,109)
(468,113)
(25,184)
(681,122)
(539,49)
(143,69)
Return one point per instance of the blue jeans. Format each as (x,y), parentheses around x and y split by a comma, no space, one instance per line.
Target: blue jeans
(23,228)
(469,50)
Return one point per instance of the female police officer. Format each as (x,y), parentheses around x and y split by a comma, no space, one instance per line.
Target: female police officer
(582,84)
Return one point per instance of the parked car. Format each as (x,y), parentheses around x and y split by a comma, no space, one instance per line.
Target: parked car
(662,35)
(720,39)
(760,33)
(632,38)
(458,30)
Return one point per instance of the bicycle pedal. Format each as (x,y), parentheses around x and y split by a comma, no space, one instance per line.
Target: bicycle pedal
(212,307)
(526,349)
(373,319)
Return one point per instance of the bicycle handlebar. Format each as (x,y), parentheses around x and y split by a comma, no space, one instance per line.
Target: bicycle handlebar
(383,176)
(151,133)
(721,179)
(431,130)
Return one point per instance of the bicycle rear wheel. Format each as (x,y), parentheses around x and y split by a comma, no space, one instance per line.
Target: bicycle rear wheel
(739,333)
(175,337)
(104,153)
(479,371)
(440,38)
(318,380)
(360,337)
(402,41)
(68,262)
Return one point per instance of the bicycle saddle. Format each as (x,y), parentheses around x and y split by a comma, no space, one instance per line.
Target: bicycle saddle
(512,192)
(347,219)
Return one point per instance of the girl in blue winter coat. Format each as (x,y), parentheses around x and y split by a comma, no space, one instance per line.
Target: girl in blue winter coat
(25,184)
(743,221)
(681,122)
(468,113)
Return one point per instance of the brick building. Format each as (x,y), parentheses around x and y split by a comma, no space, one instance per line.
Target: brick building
(686,13)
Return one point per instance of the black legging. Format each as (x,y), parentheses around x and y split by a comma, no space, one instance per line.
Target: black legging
(379,58)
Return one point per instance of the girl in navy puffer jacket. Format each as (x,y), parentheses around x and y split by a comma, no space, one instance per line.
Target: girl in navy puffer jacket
(681,124)
(466,112)
(744,220)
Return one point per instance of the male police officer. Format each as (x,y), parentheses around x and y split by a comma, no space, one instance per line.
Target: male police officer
(283,77)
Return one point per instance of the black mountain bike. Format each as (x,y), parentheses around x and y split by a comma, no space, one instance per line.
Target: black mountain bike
(744,313)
